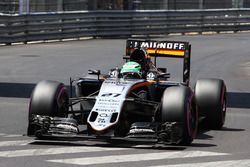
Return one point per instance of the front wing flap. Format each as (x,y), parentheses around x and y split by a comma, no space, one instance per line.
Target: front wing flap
(141,132)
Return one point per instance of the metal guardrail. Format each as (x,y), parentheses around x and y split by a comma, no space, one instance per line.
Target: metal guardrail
(56,26)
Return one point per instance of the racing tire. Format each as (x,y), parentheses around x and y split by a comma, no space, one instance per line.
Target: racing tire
(49,98)
(210,96)
(178,106)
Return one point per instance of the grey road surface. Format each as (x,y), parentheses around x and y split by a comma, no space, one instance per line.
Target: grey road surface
(225,56)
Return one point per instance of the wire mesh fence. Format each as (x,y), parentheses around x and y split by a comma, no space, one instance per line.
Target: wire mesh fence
(33,6)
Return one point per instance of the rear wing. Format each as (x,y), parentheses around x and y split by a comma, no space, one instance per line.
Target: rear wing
(173,49)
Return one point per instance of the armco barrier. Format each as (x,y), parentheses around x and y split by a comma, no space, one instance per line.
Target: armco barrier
(54,26)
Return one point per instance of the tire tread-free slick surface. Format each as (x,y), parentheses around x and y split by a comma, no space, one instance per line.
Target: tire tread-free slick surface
(210,95)
(177,106)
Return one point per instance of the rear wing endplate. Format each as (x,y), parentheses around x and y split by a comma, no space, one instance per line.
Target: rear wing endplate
(173,49)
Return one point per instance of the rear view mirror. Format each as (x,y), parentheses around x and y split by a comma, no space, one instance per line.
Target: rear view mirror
(94,72)
(163,70)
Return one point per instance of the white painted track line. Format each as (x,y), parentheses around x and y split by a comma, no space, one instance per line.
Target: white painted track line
(135,157)
(54,151)
(234,163)
(14,143)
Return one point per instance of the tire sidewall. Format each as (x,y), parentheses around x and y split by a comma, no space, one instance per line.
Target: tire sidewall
(182,110)
(211,104)
(49,98)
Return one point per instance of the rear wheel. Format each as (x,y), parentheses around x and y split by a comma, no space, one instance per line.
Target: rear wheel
(178,106)
(210,95)
(49,98)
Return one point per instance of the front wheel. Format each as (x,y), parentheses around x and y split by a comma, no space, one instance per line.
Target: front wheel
(49,98)
(178,106)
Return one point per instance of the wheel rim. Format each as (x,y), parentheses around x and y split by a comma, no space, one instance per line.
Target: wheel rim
(223,113)
(62,100)
(192,121)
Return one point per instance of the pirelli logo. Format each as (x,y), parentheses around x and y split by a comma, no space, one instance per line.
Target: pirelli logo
(169,48)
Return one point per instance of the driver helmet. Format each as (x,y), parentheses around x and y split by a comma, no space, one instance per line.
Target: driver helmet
(131,70)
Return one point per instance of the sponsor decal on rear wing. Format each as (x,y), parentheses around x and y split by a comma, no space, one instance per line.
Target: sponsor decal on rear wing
(159,48)
(173,49)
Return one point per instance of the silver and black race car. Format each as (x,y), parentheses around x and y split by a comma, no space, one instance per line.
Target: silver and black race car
(137,102)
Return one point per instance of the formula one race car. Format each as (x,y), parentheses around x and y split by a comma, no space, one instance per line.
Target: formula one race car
(136,103)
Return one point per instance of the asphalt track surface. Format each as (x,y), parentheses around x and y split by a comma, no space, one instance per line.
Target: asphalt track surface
(224,56)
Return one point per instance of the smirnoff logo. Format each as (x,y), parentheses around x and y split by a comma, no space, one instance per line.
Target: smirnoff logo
(158,45)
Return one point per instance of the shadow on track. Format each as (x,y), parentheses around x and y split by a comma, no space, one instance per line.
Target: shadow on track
(231,129)
(238,100)
(17,90)
(110,145)
(123,145)
(24,90)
